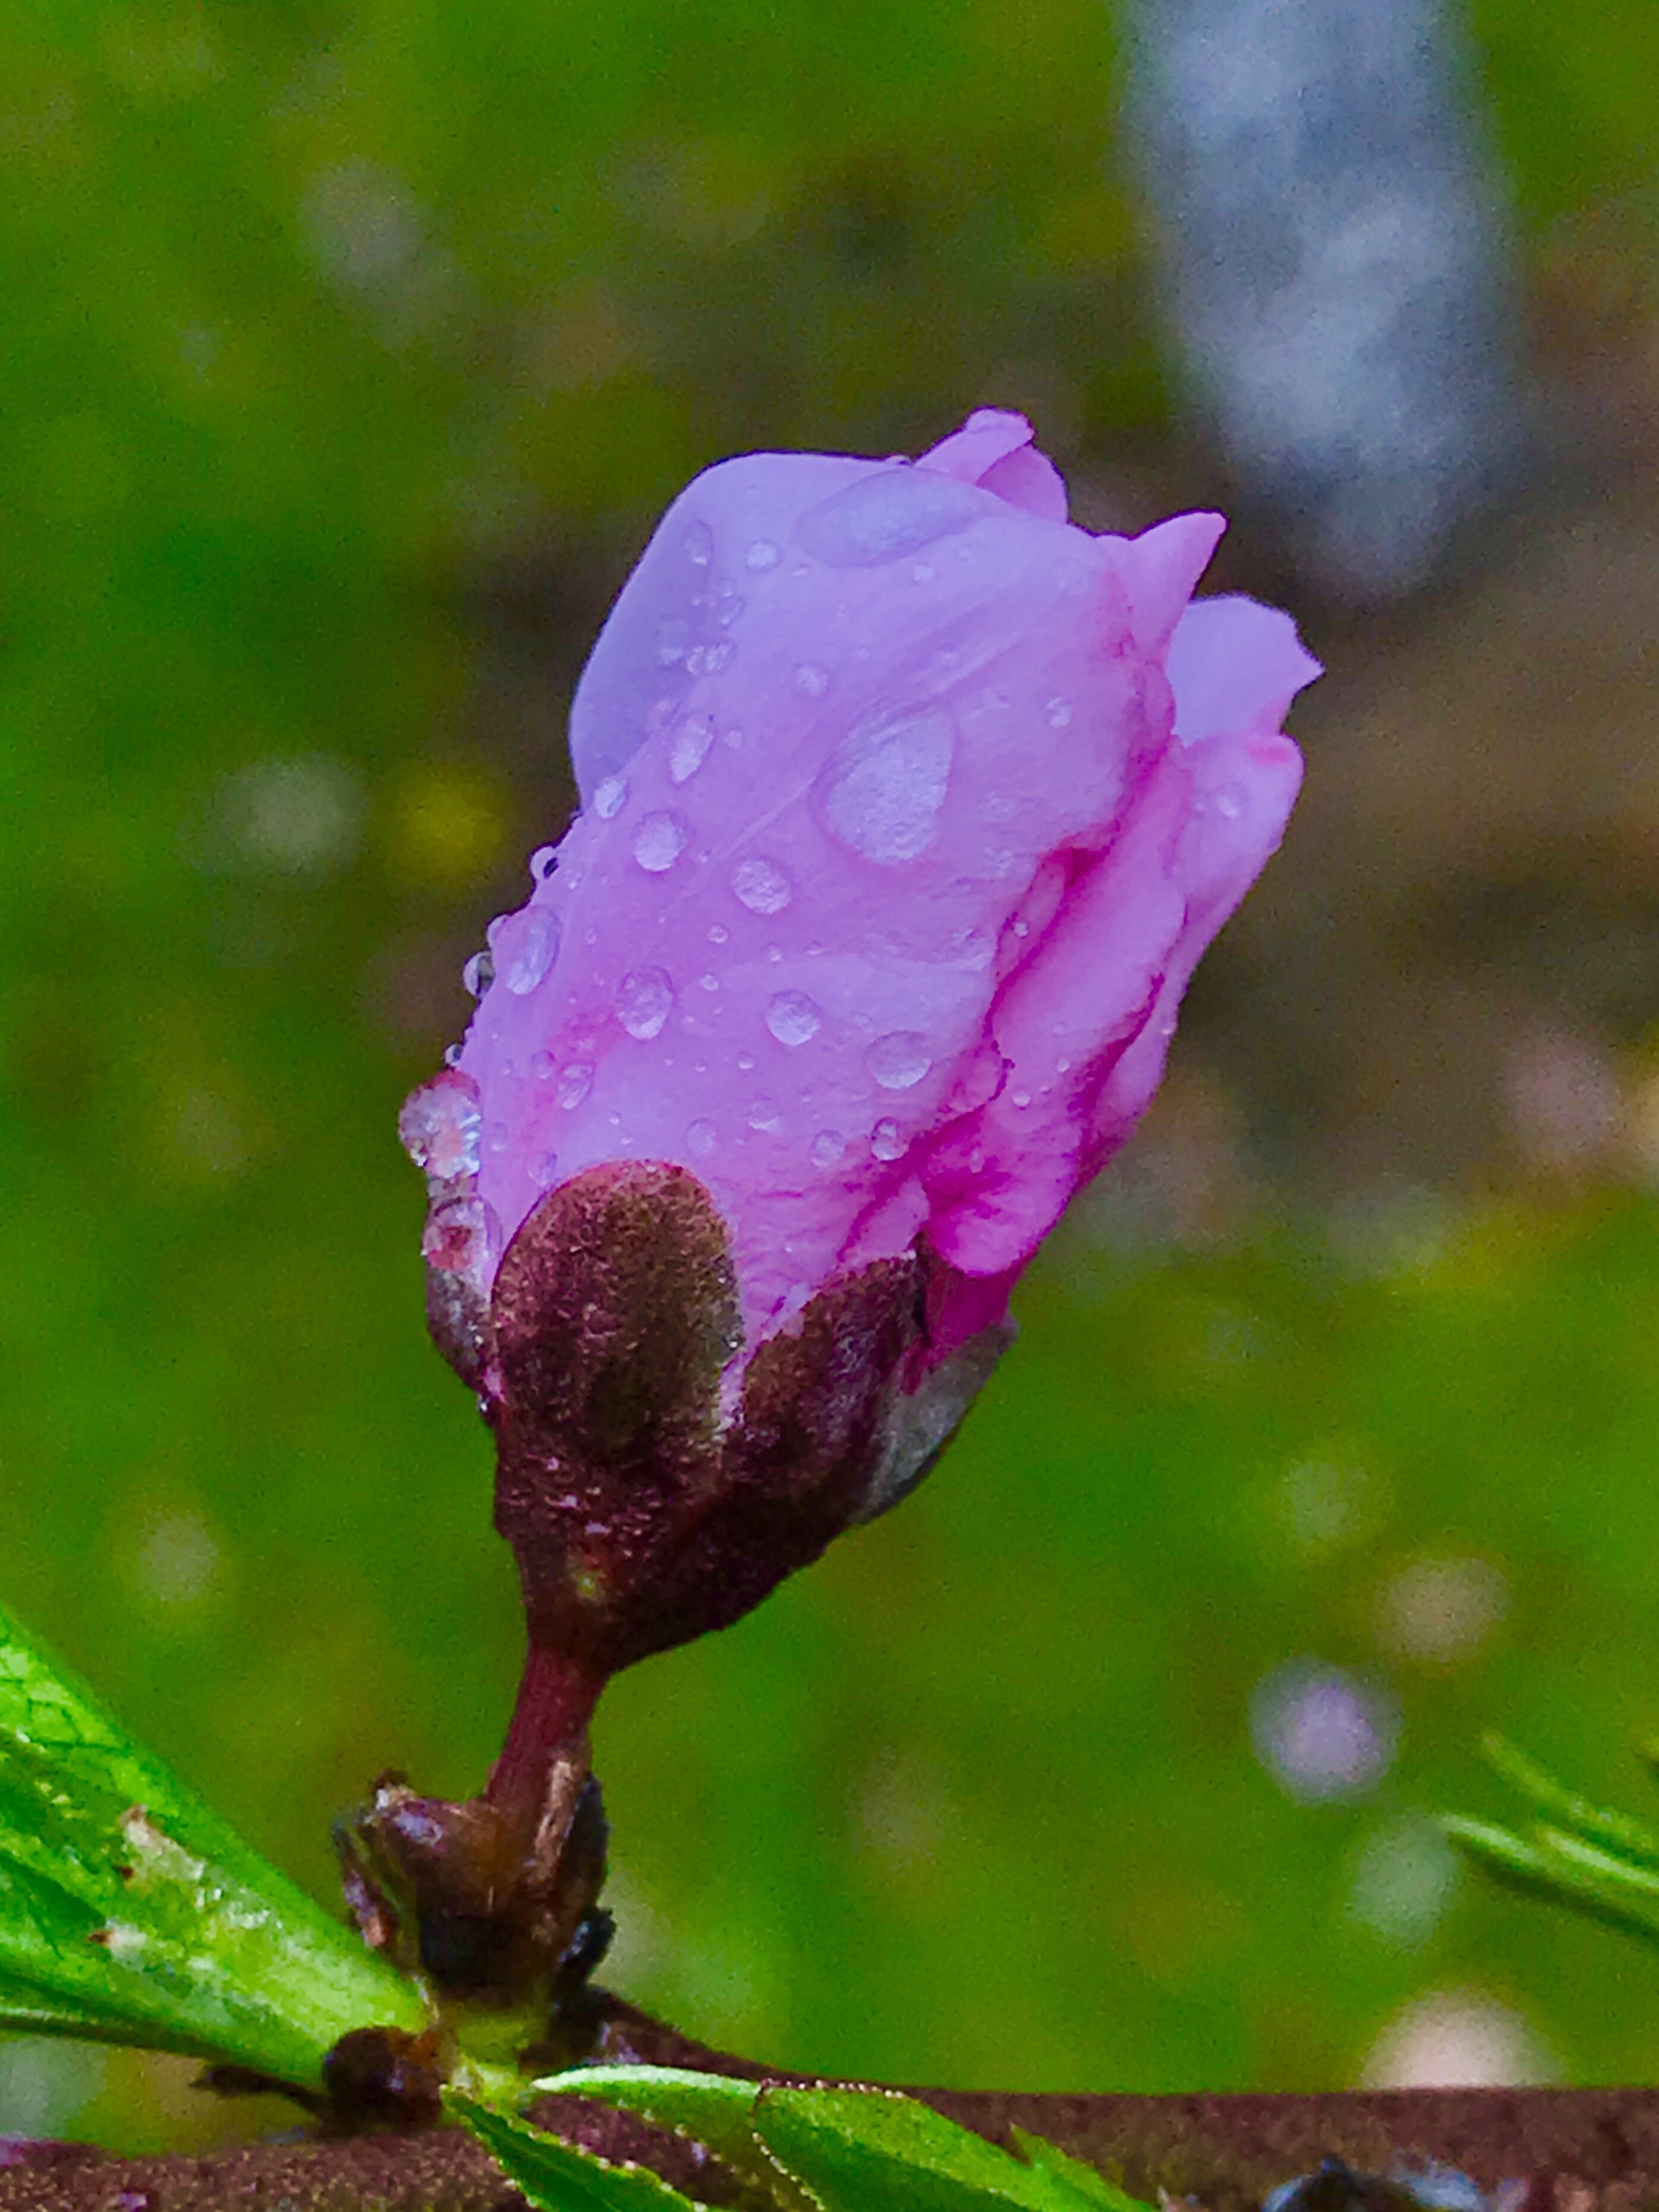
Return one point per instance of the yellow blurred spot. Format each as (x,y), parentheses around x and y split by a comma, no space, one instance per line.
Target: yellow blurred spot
(1095,230)
(587,341)
(719,192)
(447,827)
(208,1130)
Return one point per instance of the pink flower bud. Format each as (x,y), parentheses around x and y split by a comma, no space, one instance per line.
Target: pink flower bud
(907,808)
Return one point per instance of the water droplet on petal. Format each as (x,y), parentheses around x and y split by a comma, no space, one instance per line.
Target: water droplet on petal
(763,554)
(701,1138)
(1059,712)
(672,638)
(574,1083)
(718,932)
(811,679)
(793,1019)
(829,1149)
(645,999)
(746,1063)
(464,1237)
(478,973)
(659,841)
(899,1060)
(1230,801)
(542,862)
(543,1066)
(710,982)
(887,513)
(766,1116)
(728,606)
(922,573)
(611,797)
(687,748)
(1021,1098)
(544,1171)
(762,885)
(887,1142)
(699,542)
(526,946)
(885,782)
(439,1126)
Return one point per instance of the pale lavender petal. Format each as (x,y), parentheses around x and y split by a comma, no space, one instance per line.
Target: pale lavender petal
(1234,666)
(1161,567)
(987,437)
(890,869)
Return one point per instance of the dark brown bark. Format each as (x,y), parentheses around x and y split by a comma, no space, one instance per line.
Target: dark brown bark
(1578,2150)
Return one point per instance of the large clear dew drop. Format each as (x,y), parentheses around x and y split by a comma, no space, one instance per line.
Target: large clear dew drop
(899,1060)
(463,1236)
(888,515)
(688,746)
(645,999)
(884,786)
(441,1126)
(887,1140)
(574,1082)
(659,841)
(762,885)
(524,945)
(611,797)
(793,1019)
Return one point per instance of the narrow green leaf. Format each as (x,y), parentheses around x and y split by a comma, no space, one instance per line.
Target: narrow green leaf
(1617,1831)
(556,2175)
(1083,2180)
(1605,1869)
(713,2109)
(129,1909)
(1535,1871)
(860,2150)
(847,2150)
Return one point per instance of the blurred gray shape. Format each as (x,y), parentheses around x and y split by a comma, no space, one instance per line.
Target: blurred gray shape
(1334,263)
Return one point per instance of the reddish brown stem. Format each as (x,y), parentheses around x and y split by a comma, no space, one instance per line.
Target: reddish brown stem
(556,1701)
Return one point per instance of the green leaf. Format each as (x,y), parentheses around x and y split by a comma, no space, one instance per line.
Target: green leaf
(130,1912)
(1618,1831)
(860,2150)
(847,2150)
(1540,1867)
(711,2109)
(1048,2159)
(557,2176)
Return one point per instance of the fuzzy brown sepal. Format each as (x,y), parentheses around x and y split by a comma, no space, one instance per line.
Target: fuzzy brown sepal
(642,1513)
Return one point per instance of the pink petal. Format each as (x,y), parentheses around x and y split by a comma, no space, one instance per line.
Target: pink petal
(1234,665)
(989,434)
(1159,570)
(1244,790)
(1088,989)
(994,449)
(1028,479)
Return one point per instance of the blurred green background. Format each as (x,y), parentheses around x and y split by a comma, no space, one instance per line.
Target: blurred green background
(348,354)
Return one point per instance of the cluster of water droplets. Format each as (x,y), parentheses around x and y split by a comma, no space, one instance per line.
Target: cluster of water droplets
(879,795)
(441,1126)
